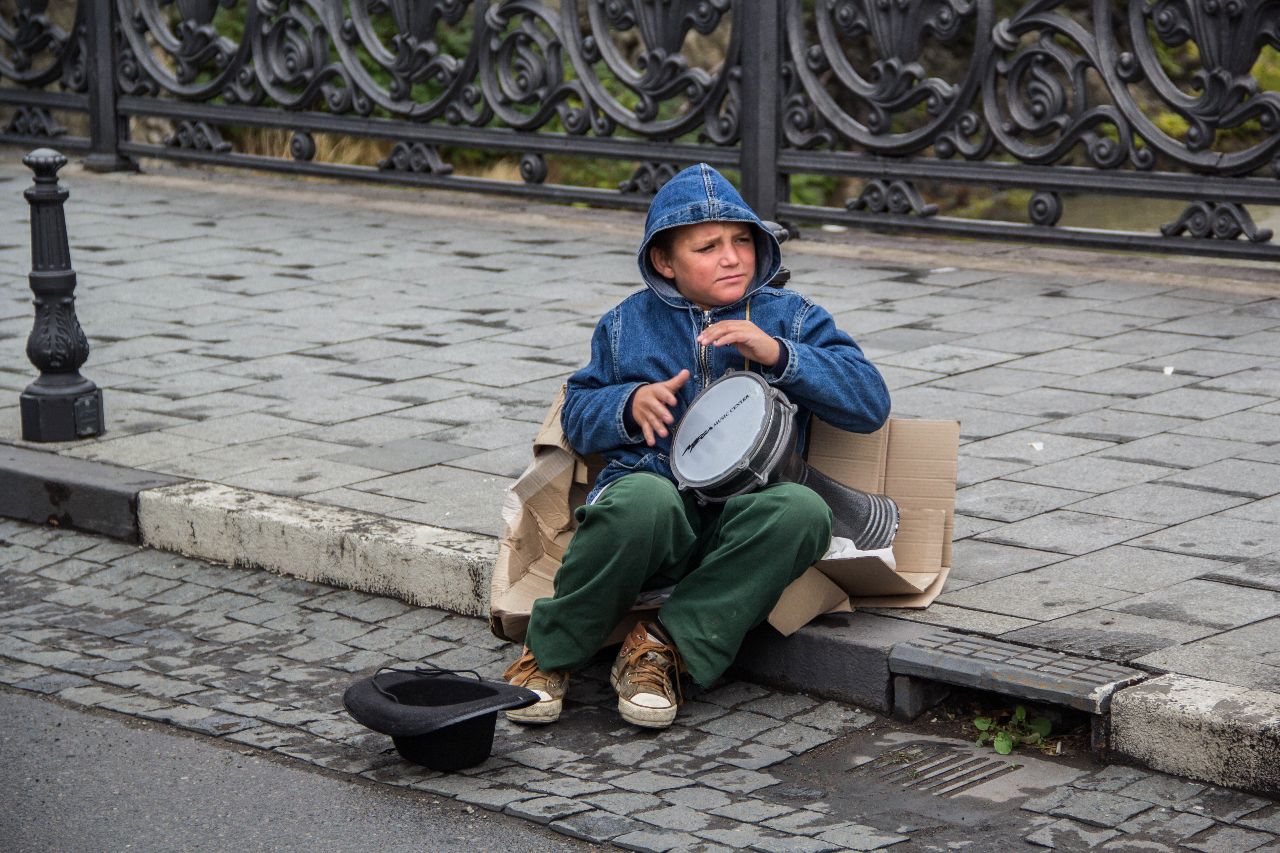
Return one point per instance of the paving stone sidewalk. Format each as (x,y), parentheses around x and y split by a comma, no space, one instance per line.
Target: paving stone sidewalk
(260,661)
(1120,471)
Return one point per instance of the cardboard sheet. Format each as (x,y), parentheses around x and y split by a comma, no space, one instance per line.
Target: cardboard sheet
(912,461)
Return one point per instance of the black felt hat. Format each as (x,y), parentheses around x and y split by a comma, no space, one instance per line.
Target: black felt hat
(436,717)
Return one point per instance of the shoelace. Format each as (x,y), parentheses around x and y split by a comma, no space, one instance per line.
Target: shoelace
(525,673)
(648,664)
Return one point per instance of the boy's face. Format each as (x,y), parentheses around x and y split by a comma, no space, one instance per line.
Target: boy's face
(711,263)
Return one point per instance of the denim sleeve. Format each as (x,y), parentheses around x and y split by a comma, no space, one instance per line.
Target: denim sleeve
(827,373)
(595,403)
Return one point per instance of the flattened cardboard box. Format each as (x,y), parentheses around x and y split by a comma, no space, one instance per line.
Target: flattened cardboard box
(912,461)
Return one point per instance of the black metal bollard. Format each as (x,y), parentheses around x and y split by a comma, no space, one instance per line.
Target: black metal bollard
(61,405)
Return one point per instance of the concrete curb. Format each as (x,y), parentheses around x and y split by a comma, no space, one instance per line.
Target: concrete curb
(1205,730)
(1202,729)
(842,656)
(49,489)
(428,566)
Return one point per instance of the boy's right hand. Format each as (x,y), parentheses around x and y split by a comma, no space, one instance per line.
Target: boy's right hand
(651,406)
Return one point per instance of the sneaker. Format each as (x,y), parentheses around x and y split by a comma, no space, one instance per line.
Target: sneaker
(549,686)
(646,675)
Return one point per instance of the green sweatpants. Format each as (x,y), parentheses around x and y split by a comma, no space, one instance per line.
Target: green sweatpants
(729,563)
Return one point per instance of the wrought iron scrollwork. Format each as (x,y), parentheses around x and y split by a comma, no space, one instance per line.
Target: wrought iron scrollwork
(31,35)
(176,46)
(130,75)
(649,178)
(591,66)
(868,106)
(1032,85)
(75,68)
(884,91)
(34,121)
(424,78)
(292,47)
(522,72)
(1047,96)
(415,157)
(657,69)
(37,52)
(969,137)
(57,344)
(1229,35)
(197,136)
(1036,97)
(899,198)
(802,124)
(1207,220)
(723,117)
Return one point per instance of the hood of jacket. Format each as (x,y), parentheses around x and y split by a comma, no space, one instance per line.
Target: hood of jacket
(701,194)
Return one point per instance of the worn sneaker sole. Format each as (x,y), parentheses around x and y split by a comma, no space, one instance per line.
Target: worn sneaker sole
(649,718)
(547,711)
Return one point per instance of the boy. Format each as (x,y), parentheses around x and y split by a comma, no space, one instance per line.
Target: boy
(706,260)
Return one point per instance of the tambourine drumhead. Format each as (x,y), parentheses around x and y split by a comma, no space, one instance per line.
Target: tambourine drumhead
(720,429)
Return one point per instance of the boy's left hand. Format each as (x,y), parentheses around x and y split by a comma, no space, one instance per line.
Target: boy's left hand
(752,341)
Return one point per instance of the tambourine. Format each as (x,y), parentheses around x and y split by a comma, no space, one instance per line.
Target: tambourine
(738,435)
(732,437)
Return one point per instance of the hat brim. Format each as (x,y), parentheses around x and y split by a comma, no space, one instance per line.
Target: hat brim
(427,702)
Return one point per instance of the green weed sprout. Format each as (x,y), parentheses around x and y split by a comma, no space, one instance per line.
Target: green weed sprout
(1006,734)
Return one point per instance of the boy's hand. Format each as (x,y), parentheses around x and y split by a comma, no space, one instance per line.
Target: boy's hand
(651,406)
(750,339)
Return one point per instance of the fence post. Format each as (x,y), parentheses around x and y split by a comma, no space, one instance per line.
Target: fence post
(763,186)
(104,122)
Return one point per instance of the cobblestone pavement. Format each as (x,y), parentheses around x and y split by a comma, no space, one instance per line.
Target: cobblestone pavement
(261,661)
(1120,472)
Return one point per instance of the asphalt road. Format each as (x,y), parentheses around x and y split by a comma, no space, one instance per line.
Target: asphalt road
(74,782)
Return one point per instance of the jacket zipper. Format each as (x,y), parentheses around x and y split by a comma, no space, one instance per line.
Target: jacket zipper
(703,352)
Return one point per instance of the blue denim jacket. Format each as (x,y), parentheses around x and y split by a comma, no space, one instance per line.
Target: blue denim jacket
(651,336)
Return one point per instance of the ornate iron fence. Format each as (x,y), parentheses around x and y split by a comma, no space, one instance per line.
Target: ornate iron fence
(901,104)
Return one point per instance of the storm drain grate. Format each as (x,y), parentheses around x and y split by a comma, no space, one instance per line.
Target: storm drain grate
(937,770)
(1037,674)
